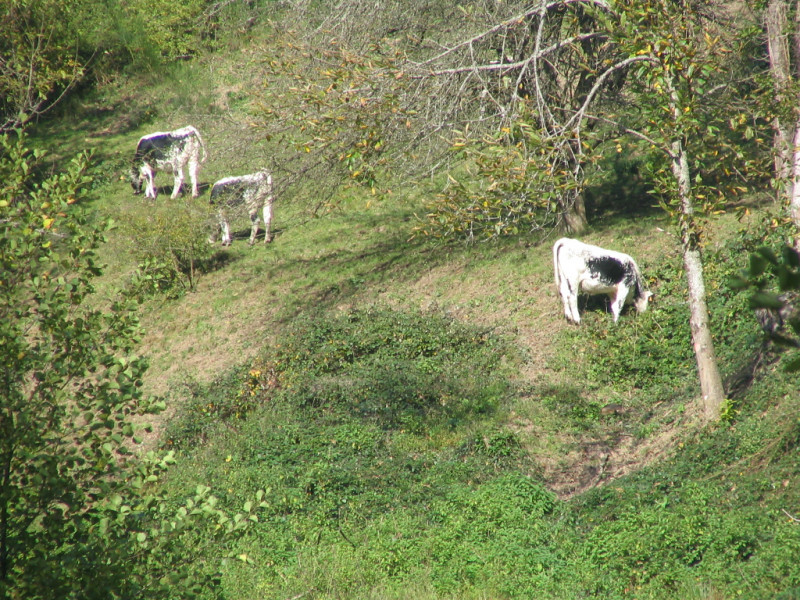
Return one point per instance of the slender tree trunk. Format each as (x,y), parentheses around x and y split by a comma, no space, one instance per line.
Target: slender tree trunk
(794,187)
(775,21)
(575,216)
(785,68)
(710,379)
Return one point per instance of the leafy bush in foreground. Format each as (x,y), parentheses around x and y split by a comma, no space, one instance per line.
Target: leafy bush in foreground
(80,514)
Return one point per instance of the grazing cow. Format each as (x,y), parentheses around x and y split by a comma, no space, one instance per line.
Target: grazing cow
(592,270)
(169,151)
(254,191)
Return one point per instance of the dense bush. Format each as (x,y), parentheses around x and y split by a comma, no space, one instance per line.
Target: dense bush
(80,514)
(394,369)
(656,538)
(169,243)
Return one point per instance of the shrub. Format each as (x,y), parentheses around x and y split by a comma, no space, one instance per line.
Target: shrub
(169,241)
(79,515)
(399,368)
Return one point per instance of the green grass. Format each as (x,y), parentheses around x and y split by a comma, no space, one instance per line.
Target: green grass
(376,490)
(425,422)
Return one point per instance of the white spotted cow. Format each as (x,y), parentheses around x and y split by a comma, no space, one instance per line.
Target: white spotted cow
(169,151)
(254,191)
(583,268)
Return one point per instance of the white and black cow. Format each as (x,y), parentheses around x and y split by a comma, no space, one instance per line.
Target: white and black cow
(169,151)
(254,191)
(583,268)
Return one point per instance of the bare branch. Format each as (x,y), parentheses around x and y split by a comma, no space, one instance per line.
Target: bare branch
(503,66)
(575,120)
(512,21)
(633,132)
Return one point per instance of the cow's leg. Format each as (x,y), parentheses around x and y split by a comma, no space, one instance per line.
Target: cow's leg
(149,191)
(617,301)
(253,227)
(267,221)
(194,168)
(150,187)
(178,183)
(570,299)
(226,230)
(574,315)
(565,300)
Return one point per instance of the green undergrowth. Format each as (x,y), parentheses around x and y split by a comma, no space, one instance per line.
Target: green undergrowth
(413,372)
(380,437)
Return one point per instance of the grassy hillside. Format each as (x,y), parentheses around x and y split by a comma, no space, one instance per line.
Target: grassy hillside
(425,422)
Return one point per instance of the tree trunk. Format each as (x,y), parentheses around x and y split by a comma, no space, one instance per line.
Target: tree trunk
(776,24)
(710,379)
(794,188)
(786,134)
(575,221)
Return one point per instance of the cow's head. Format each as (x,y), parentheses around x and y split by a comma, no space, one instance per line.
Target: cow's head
(642,301)
(136,180)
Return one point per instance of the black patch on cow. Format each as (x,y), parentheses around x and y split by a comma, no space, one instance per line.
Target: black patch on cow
(610,271)
(231,193)
(158,147)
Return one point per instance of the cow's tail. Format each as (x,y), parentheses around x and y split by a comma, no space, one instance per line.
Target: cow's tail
(638,281)
(202,145)
(556,269)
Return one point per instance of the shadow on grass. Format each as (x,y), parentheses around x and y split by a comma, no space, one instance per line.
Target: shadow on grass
(384,254)
(218,260)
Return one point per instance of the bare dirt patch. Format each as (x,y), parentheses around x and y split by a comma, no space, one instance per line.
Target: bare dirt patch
(599,460)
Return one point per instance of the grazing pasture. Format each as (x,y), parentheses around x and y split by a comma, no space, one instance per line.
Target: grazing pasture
(417,417)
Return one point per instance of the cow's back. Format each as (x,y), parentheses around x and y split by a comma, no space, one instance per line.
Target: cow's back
(249,189)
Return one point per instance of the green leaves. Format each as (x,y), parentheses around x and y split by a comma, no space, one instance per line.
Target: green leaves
(778,310)
(170,245)
(518,180)
(77,510)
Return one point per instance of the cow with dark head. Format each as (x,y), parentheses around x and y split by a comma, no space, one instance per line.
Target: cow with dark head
(254,191)
(583,268)
(169,151)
